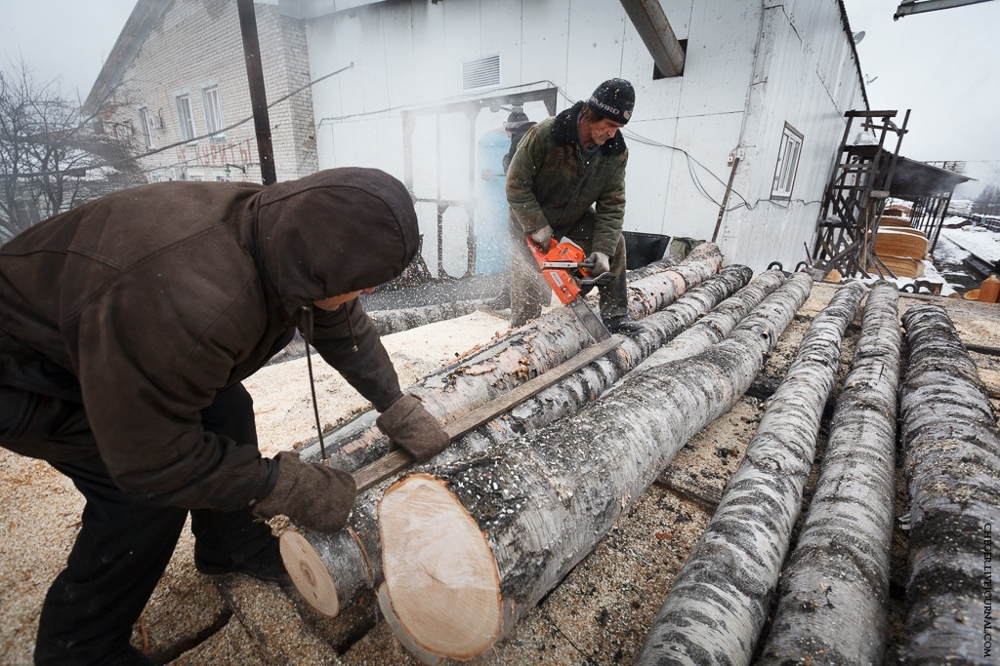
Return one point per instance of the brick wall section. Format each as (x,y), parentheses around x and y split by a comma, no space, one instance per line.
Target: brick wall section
(198,44)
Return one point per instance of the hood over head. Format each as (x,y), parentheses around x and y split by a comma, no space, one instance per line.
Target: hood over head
(334,232)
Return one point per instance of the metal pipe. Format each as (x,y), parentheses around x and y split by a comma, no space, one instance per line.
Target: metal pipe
(725,198)
(913,7)
(653,27)
(258,97)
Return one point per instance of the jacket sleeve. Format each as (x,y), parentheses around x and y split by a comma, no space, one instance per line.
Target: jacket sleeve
(368,368)
(148,365)
(610,210)
(524,166)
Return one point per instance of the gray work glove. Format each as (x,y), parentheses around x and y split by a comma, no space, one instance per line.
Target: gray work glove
(412,428)
(313,495)
(541,237)
(601,264)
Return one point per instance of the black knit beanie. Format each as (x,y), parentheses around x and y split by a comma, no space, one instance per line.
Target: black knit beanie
(613,99)
(516,118)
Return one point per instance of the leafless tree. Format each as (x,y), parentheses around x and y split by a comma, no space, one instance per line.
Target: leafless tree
(988,201)
(51,159)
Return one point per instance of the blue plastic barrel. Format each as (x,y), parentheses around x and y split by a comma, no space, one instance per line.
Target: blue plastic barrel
(492,240)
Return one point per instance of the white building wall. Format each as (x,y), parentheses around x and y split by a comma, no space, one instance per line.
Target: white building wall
(751,65)
(197,44)
(806,76)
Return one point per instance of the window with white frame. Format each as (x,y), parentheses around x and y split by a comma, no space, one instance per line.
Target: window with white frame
(185,117)
(146,123)
(214,121)
(788,163)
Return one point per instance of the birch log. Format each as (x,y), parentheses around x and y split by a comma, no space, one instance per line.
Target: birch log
(469,547)
(717,606)
(525,353)
(403,319)
(331,571)
(834,594)
(952,465)
(718,323)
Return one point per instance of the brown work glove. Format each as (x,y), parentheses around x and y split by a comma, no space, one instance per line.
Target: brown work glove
(542,237)
(313,495)
(412,428)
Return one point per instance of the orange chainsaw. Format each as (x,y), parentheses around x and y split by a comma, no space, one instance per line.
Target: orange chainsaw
(564,267)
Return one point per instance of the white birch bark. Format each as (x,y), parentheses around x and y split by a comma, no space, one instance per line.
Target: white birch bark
(525,353)
(471,544)
(718,323)
(834,593)
(717,606)
(332,571)
(952,463)
(403,319)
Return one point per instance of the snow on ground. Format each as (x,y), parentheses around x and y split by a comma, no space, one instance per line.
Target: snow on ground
(981,242)
(947,252)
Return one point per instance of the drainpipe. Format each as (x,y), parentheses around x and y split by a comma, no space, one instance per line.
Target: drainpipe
(653,27)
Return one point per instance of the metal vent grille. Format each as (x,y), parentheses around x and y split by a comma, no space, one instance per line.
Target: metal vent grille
(481,73)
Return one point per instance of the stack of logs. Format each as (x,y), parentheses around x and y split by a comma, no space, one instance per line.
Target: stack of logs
(461,548)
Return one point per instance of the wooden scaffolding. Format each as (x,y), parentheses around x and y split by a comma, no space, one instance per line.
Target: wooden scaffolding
(854,200)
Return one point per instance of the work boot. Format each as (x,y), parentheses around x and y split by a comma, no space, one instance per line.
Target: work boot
(266,564)
(622,324)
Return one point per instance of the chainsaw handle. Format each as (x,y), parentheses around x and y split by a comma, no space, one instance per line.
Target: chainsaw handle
(601,280)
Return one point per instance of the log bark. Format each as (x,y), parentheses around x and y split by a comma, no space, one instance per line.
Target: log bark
(952,465)
(659,290)
(403,319)
(716,608)
(718,323)
(471,543)
(651,269)
(331,571)
(834,595)
(525,353)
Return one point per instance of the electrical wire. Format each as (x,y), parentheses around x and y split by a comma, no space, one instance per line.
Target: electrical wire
(183,142)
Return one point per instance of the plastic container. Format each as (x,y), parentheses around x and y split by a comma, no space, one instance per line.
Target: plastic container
(989,290)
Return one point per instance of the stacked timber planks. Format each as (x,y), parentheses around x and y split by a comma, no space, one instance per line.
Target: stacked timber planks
(899,247)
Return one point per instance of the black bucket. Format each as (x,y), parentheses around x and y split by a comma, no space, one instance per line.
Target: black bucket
(644,249)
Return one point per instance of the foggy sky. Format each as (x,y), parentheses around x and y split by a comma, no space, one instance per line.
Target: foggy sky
(944,66)
(65,41)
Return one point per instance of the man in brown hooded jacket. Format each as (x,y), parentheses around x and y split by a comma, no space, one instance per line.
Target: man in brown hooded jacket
(126,327)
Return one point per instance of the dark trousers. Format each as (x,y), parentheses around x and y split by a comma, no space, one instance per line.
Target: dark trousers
(123,548)
(529,291)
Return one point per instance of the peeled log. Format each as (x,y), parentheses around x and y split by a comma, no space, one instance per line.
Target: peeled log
(834,595)
(331,571)
(469,547)
(717,606)
(952,464)
(525,353)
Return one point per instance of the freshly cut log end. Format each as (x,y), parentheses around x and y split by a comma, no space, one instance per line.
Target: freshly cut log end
(440,574)
(308,573)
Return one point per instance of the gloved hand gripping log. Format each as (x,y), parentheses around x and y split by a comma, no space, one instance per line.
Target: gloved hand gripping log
(318,497)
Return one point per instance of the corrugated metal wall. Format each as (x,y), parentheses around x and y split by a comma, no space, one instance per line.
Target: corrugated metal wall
(751,66)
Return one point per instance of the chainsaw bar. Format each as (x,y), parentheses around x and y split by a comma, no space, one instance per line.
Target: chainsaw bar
(590,321)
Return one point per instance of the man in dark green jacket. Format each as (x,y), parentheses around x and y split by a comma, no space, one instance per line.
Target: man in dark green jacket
(126,328)
(567,179)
